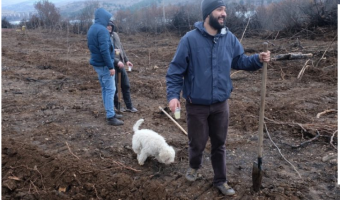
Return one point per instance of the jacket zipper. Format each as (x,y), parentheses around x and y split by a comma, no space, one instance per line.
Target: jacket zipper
(212,70)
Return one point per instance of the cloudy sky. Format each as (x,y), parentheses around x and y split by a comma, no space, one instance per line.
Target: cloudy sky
(11,2)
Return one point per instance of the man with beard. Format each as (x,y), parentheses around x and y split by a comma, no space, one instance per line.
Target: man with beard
(201,66)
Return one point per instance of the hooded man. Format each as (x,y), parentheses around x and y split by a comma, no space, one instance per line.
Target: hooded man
(120,60)
(201,67)
(102,56)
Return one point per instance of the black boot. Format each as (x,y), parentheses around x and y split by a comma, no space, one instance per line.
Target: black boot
(114,121)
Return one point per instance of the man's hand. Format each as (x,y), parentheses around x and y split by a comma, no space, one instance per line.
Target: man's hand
(173,104)
(264,56)
(120,64)
(129,63)
(112,72)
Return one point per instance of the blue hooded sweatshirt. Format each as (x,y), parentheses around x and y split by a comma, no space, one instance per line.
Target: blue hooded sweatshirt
(98,40)
(202,63)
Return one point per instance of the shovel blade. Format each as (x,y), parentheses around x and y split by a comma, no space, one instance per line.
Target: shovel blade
(257,175)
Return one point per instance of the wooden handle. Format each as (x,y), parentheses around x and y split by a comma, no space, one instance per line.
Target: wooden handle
(263,95)
(265,46)
(179,126)
(119,86)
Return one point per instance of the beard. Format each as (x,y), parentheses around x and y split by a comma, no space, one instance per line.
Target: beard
(215,24)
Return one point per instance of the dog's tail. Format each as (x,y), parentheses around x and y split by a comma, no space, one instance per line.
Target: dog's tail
(137,124)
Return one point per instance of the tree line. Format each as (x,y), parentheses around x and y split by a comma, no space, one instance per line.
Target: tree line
(287,15)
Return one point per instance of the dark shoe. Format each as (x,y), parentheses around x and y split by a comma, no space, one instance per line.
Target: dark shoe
(191,174)
(114,121)
(133,110)
(118,116)
(226,189)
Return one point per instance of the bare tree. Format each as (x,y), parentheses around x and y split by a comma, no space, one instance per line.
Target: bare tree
(5,23)
(321,12)
(86,17)
(285,15)
(48,13)
(34,22)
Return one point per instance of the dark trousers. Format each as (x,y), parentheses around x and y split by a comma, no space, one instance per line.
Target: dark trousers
(204,122)
(125,88)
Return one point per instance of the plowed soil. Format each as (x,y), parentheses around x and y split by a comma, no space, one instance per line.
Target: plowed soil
(56,143)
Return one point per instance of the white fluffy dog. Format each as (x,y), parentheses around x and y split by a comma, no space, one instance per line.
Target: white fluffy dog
(146,143)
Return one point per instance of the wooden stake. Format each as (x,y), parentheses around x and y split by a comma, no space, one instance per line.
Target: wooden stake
(325,51)
(245,30)
(172,119)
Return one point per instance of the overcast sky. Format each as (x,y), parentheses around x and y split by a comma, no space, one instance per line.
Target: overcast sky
(10,2)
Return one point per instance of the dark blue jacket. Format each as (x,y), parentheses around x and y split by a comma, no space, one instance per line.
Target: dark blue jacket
(98,40)
(205,61)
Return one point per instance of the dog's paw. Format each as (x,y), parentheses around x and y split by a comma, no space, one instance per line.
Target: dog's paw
(141,163)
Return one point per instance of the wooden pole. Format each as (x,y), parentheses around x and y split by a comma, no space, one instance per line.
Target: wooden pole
(172,119)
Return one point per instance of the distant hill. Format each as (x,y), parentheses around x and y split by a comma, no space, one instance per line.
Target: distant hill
(26,6)
(71,9)
(68,7)
(63,5)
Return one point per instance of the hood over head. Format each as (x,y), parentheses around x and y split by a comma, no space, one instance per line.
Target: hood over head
(102,16)
(112,25)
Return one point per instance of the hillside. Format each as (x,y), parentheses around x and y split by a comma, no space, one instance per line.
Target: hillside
(69,8)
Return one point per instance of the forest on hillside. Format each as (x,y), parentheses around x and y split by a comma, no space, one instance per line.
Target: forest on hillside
(286,16)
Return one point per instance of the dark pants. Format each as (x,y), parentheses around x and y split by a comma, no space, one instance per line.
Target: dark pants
(125,87)
(204,122)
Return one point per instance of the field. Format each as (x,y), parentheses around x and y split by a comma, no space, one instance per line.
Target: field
(56,143)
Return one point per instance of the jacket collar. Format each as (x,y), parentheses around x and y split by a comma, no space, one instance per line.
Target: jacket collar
(199,26)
